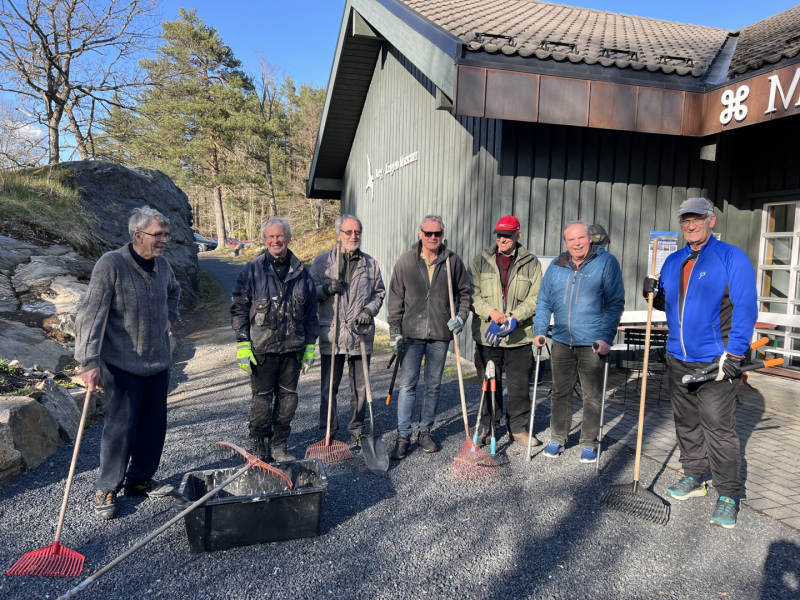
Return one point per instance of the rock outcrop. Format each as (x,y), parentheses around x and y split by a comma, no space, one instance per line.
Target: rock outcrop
(33,429)
(61,406)
(30,346)
(110,192)
(10,458)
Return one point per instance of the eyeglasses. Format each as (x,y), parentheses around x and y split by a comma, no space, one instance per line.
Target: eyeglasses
(355,232)
(436,234)
(159,236)
(271,238)
(695,222)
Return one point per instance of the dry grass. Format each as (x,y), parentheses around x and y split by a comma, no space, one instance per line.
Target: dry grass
(306,246)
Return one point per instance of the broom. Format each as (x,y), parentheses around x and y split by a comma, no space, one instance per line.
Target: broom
(328,450)
(471,462)
(56,560)
(631,498)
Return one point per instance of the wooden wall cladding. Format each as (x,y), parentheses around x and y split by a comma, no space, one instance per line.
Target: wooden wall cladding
(563,101)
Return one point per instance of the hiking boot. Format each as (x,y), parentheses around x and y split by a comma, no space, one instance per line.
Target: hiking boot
(259,449)
(589,455)
(151,488)
(425,441)
(521,438)
(688,487)
(553,450)
(355,439)
(725,513)
(484,438)
(280,454)
(400,449)
(105,506)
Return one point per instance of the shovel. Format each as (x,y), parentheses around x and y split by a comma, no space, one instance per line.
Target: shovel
(533,401)
(376,456)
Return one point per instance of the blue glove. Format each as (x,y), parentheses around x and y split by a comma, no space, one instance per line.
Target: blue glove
(456,325)
(492,336)
(507,327)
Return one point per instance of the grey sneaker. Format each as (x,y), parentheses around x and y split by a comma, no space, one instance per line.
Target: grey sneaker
(725,513)
(105,504)
(688,487)
(426,442)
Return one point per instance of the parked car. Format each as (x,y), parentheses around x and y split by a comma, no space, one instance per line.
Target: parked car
(204,244)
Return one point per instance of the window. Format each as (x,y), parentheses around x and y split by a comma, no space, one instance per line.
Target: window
(779,273)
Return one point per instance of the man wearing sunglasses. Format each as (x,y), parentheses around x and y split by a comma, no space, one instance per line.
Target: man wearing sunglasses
(353,279)
(708,290)
(122,340)
(420,326)
(505,285)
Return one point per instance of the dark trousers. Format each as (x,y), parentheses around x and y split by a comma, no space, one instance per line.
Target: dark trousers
(274,384)
(568,364)
(134,428)
(518,365)
(705,425)
(358,391)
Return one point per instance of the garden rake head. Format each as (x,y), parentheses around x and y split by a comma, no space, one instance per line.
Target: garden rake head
(471,462)
(53,561)
(329,451)
(230,448)
(635,500)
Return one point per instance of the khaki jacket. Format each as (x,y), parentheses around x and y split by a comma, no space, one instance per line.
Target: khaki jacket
(525,277)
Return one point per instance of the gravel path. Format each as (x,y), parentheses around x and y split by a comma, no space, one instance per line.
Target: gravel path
(535,532)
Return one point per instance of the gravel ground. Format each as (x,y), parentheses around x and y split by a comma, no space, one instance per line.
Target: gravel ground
(536,531)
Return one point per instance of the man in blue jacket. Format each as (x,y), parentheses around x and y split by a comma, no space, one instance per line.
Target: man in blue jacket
(708,290)
(583,291)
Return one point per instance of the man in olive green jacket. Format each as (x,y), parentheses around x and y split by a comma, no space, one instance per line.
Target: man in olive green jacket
(505,284)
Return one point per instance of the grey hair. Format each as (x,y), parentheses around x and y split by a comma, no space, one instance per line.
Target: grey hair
(343,218)
(140,218)
(436,218)
(287,231)
(584,223)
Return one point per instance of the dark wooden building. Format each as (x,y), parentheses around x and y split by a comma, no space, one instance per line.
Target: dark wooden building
(474,109)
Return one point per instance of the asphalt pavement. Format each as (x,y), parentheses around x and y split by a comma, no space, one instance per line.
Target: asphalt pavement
(535,531)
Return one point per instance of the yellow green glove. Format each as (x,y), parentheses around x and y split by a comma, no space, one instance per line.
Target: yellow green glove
(244,353)
(308,358)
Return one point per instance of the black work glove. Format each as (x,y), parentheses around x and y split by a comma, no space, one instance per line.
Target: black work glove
(650,285)
(364,319)
(334,287)
(730,366)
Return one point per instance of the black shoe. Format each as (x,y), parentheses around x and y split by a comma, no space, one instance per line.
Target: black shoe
(484,438)
(280,454)
(151,488)
(426,442)
(400,449)
(355,439)
(105,506)
(259,449)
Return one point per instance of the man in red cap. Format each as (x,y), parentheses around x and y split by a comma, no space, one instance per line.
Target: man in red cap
(505,285)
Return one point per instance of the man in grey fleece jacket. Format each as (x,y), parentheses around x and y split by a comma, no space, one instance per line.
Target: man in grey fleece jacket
(122,338)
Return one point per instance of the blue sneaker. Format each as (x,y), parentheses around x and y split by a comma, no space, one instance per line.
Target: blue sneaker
(688,487)
(553,450)
(725,513)
(589,455)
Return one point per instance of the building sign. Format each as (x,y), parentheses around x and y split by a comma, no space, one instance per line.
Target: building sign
(388,169)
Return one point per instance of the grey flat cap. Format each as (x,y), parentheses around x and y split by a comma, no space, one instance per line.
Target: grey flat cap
(697,206)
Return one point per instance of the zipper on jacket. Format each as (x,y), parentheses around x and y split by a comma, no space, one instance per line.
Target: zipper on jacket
(569,308)
(686,297)
(427,296)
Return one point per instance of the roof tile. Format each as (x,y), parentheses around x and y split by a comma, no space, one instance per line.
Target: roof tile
(767,41)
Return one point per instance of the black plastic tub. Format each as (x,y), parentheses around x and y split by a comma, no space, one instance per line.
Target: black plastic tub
(256,508)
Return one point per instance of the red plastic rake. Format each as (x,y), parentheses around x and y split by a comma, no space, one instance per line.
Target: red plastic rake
(56,560)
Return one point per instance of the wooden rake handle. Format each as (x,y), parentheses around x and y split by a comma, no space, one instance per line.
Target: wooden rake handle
(456,349)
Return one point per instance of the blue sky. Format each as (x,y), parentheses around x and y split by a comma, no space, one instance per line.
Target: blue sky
(300,35)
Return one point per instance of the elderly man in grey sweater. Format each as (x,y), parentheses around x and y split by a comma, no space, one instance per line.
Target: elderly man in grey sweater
(122,339)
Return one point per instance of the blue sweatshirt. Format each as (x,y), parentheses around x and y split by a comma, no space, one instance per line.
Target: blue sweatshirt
(586,304)
(719,309)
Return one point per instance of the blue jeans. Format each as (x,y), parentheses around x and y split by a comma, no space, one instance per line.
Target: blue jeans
(435,353)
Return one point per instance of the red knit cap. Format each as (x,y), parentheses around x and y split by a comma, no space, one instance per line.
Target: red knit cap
(507,225)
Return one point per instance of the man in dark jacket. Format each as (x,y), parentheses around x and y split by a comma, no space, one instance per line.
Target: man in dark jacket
(274,315)
(505,285)
(420,326)
(583,291)
(353,279)
(122,337)
(708,290)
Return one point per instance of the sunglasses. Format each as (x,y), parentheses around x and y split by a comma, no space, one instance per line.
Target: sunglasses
(349,232)
(436,234)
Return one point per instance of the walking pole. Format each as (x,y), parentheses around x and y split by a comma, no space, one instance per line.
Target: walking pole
(533,400)
(602,413)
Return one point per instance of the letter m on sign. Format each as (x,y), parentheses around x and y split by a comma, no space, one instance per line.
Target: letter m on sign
(775,86)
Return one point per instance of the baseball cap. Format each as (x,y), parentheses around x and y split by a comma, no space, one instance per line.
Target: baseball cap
(507,225)
(697,206)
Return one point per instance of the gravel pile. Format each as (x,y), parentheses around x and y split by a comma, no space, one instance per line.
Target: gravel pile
(536,531)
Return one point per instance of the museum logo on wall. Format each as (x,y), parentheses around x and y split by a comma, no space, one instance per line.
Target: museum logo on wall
(388,169)
(777,93)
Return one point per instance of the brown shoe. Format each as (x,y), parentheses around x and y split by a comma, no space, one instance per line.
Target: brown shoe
(522,439)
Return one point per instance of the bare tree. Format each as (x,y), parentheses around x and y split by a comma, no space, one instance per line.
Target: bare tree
(270,120)
(21,143)
(58,54)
